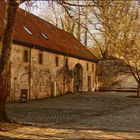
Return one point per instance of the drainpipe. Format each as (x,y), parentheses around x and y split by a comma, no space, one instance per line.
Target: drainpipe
(64,80)
(64,74)
(96,85)
(29,74)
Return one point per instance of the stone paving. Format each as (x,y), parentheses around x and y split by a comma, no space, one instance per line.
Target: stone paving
(98,115)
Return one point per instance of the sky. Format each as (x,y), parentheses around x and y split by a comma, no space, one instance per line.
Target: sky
(37,6)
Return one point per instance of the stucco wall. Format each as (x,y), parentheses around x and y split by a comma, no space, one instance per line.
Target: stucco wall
(44,77)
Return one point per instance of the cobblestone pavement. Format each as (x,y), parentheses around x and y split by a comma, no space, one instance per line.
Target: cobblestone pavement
(98,115)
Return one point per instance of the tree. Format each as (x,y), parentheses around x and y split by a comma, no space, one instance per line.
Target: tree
(5,51)
(71,16)
(118,23)
(59,17)
(129,44)
(109,17)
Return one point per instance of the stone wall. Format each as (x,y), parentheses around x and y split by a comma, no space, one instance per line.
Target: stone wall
(47,79)
(114,74)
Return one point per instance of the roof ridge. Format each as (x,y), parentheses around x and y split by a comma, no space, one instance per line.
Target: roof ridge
(58,39)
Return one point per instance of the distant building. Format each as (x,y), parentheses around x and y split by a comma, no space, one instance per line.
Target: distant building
(113,72)
(47,61)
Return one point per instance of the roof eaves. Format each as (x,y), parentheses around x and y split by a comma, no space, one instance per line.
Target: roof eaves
(51,50)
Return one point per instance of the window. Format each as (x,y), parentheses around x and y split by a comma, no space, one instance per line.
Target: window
(40,58)
(87,66)
(25,57)
(92,67)
(56,61)
(44,36)
(27,30)
(66,63)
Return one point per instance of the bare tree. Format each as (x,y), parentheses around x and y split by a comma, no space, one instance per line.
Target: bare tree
(118,23)
(129,44)
(109,17)
(71,16)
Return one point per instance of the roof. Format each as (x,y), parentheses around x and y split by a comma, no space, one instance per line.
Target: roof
(45,36)
(96,51)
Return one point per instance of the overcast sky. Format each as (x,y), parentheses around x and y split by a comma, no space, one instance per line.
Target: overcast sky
(37,6)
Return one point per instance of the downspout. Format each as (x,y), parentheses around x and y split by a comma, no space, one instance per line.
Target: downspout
(96,78)
(64,74)
(29,74)
(64,80)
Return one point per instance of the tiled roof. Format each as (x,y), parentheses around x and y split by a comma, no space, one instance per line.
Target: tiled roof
(33,31)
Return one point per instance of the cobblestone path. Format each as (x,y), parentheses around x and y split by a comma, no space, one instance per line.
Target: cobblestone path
(99,111)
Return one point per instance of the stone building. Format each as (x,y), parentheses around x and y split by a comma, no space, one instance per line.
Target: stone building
(47,61)
(113,73)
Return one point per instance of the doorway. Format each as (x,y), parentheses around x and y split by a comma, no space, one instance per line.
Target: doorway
(78,78)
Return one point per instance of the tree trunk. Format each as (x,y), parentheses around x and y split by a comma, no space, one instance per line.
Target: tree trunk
(3,97)
(138,92)
(10,16)
(78,32)
(86,25)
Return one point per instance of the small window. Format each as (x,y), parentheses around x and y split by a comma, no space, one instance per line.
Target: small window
(44,36)
(25,56)
(40,58)
(56,61)
(92,67)
(66,63)
(27,30)
(87,66)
